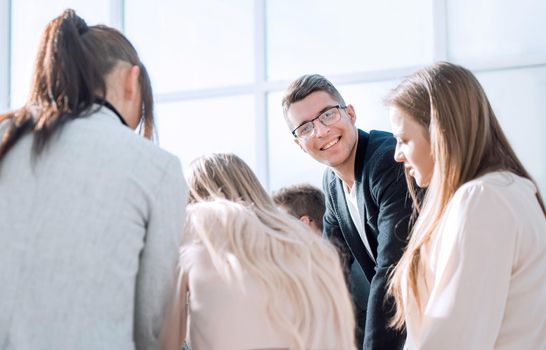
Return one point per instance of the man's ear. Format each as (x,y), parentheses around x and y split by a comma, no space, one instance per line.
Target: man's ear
(132,84)
(305,219)
(351,113)
(298,142)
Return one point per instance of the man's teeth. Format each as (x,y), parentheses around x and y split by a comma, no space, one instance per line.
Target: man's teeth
(330,144)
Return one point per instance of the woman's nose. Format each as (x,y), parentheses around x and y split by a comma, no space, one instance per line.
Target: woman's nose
(398,155)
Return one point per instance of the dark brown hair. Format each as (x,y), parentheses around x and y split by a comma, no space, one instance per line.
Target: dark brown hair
(302,200)
(69,77)
(305,86)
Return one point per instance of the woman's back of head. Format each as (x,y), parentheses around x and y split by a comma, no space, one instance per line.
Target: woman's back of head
(70,76)
(225,175)
(228,176)
(293,265)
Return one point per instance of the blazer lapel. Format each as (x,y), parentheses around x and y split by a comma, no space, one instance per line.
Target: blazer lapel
(360,161)
(349,230)
(359,171)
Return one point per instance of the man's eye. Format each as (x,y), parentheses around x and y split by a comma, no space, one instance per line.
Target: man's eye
(306,128)
(328,114)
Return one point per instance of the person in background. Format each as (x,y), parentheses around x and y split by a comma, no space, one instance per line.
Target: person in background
(91,214)
(304,202)
(474,273)
(367,206)
(254,277)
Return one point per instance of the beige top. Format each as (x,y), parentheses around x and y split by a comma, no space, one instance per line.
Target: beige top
(229,315)
(486,272)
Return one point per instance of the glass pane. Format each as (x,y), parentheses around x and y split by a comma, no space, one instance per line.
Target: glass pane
(491,28)
(29,19)
(289,164)
(318,36)
(367,100)
(4,55)
(517,97)
(193,44)
(189,129)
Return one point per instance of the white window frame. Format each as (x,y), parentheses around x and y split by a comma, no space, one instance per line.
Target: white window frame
(261,86)
(5,54)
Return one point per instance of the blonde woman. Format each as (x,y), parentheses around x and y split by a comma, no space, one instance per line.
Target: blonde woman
(255,277)
(474,273)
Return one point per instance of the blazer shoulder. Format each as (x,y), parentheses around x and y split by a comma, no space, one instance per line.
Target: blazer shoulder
(328,177)
(380,168)
(381,140)
(100,133)
(380,152)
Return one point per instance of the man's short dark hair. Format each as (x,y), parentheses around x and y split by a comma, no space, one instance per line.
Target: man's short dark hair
(302,200)
(306,85)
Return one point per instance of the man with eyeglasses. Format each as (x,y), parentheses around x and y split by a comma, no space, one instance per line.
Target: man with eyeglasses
(367,207)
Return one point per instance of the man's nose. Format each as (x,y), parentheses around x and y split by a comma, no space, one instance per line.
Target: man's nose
(320,128)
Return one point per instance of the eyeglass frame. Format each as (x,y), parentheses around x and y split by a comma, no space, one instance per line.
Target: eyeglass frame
(324,110)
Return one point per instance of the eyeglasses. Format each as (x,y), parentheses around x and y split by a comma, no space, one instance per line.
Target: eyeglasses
(328,117)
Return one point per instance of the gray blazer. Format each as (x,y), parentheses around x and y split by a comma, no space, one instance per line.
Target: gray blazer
(89,237)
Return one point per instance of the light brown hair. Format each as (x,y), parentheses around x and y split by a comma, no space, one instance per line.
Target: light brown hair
(466,142)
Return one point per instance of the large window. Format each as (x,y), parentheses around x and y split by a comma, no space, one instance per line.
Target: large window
(195,127)
(219,68)
(28,19)
(492,30)
(518,99)
(189,45)
(309,36)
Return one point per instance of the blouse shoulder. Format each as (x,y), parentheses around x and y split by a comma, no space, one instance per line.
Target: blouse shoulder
(493,196)
(494,186)
(479,191)
(192,253)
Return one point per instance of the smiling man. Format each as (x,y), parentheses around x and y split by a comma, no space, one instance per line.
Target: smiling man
(367,207)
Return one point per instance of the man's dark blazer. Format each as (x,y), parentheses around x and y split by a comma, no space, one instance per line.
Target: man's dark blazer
(385,208)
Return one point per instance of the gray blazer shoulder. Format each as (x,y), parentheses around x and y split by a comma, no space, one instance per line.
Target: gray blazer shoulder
(89,238)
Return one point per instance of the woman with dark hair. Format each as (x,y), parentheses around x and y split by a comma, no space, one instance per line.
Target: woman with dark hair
(474,273)
(91,214)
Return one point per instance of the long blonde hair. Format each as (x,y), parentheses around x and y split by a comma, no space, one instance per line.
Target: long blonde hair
(466,142)
(293,264)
